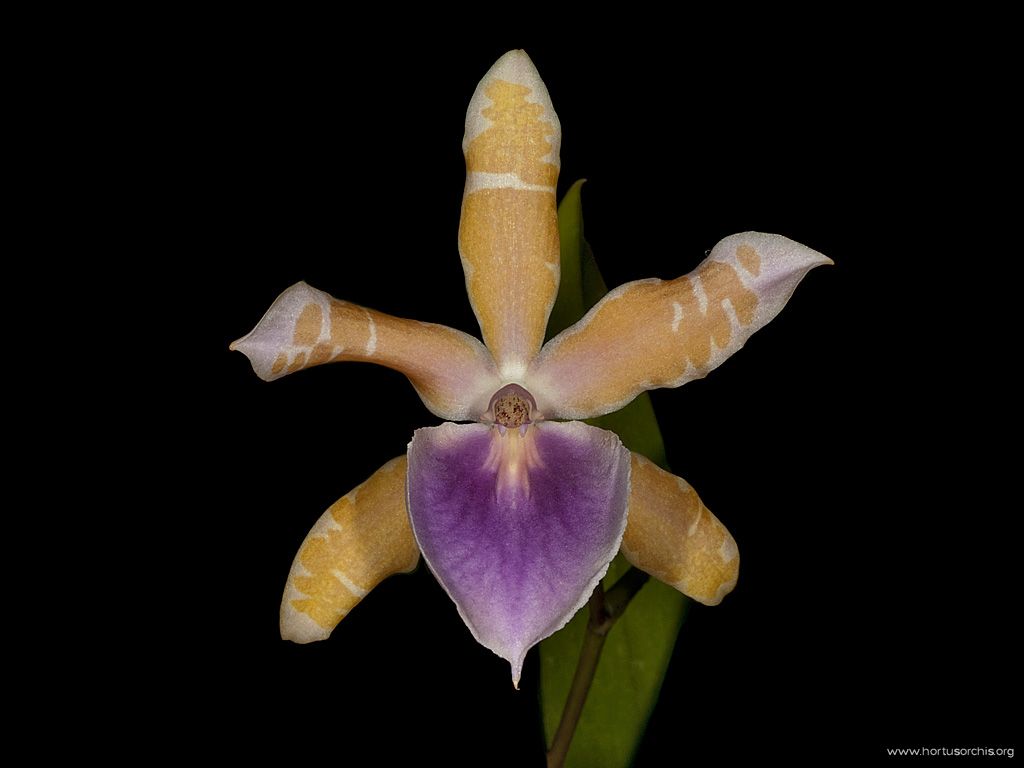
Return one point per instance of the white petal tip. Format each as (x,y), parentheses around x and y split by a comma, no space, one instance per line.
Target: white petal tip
(267,345)
(299,628)
(514,66)
(517,672)
(261,362)
(819,259)
(776,249)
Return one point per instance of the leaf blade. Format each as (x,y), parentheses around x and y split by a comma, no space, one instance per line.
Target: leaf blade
(568,306)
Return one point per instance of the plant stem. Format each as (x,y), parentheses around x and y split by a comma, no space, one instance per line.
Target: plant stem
(605,609)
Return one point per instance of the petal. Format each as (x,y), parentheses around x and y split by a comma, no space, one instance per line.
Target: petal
(673,536)
(508,236)
(360,540)
(517,525)
(452,372)
(655,333)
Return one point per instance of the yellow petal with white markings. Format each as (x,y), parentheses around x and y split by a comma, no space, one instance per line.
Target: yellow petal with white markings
(453,373)
(508,235)
(672,535)
(361,539)
(657,333)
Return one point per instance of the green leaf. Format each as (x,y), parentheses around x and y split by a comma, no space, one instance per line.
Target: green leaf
(628,680)
(639,646)
(637,427)
(569,306)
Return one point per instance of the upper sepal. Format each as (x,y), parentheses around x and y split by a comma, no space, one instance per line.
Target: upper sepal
(508,231)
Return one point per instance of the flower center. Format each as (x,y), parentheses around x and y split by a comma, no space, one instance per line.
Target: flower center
(511,407)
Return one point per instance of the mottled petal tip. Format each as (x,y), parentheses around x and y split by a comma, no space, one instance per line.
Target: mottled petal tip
(285,333)
(517,68)
(518,526)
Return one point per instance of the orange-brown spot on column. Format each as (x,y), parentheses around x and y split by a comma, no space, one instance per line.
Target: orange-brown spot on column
(279,363)
(511,411)
(748,258)
(298,363)
(512,406)
(516,140)
(307,327)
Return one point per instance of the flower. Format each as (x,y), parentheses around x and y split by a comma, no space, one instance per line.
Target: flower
(519,512)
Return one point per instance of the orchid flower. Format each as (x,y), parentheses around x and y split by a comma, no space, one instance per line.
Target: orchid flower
(519,511)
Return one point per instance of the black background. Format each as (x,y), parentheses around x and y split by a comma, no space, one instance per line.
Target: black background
(874,603)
